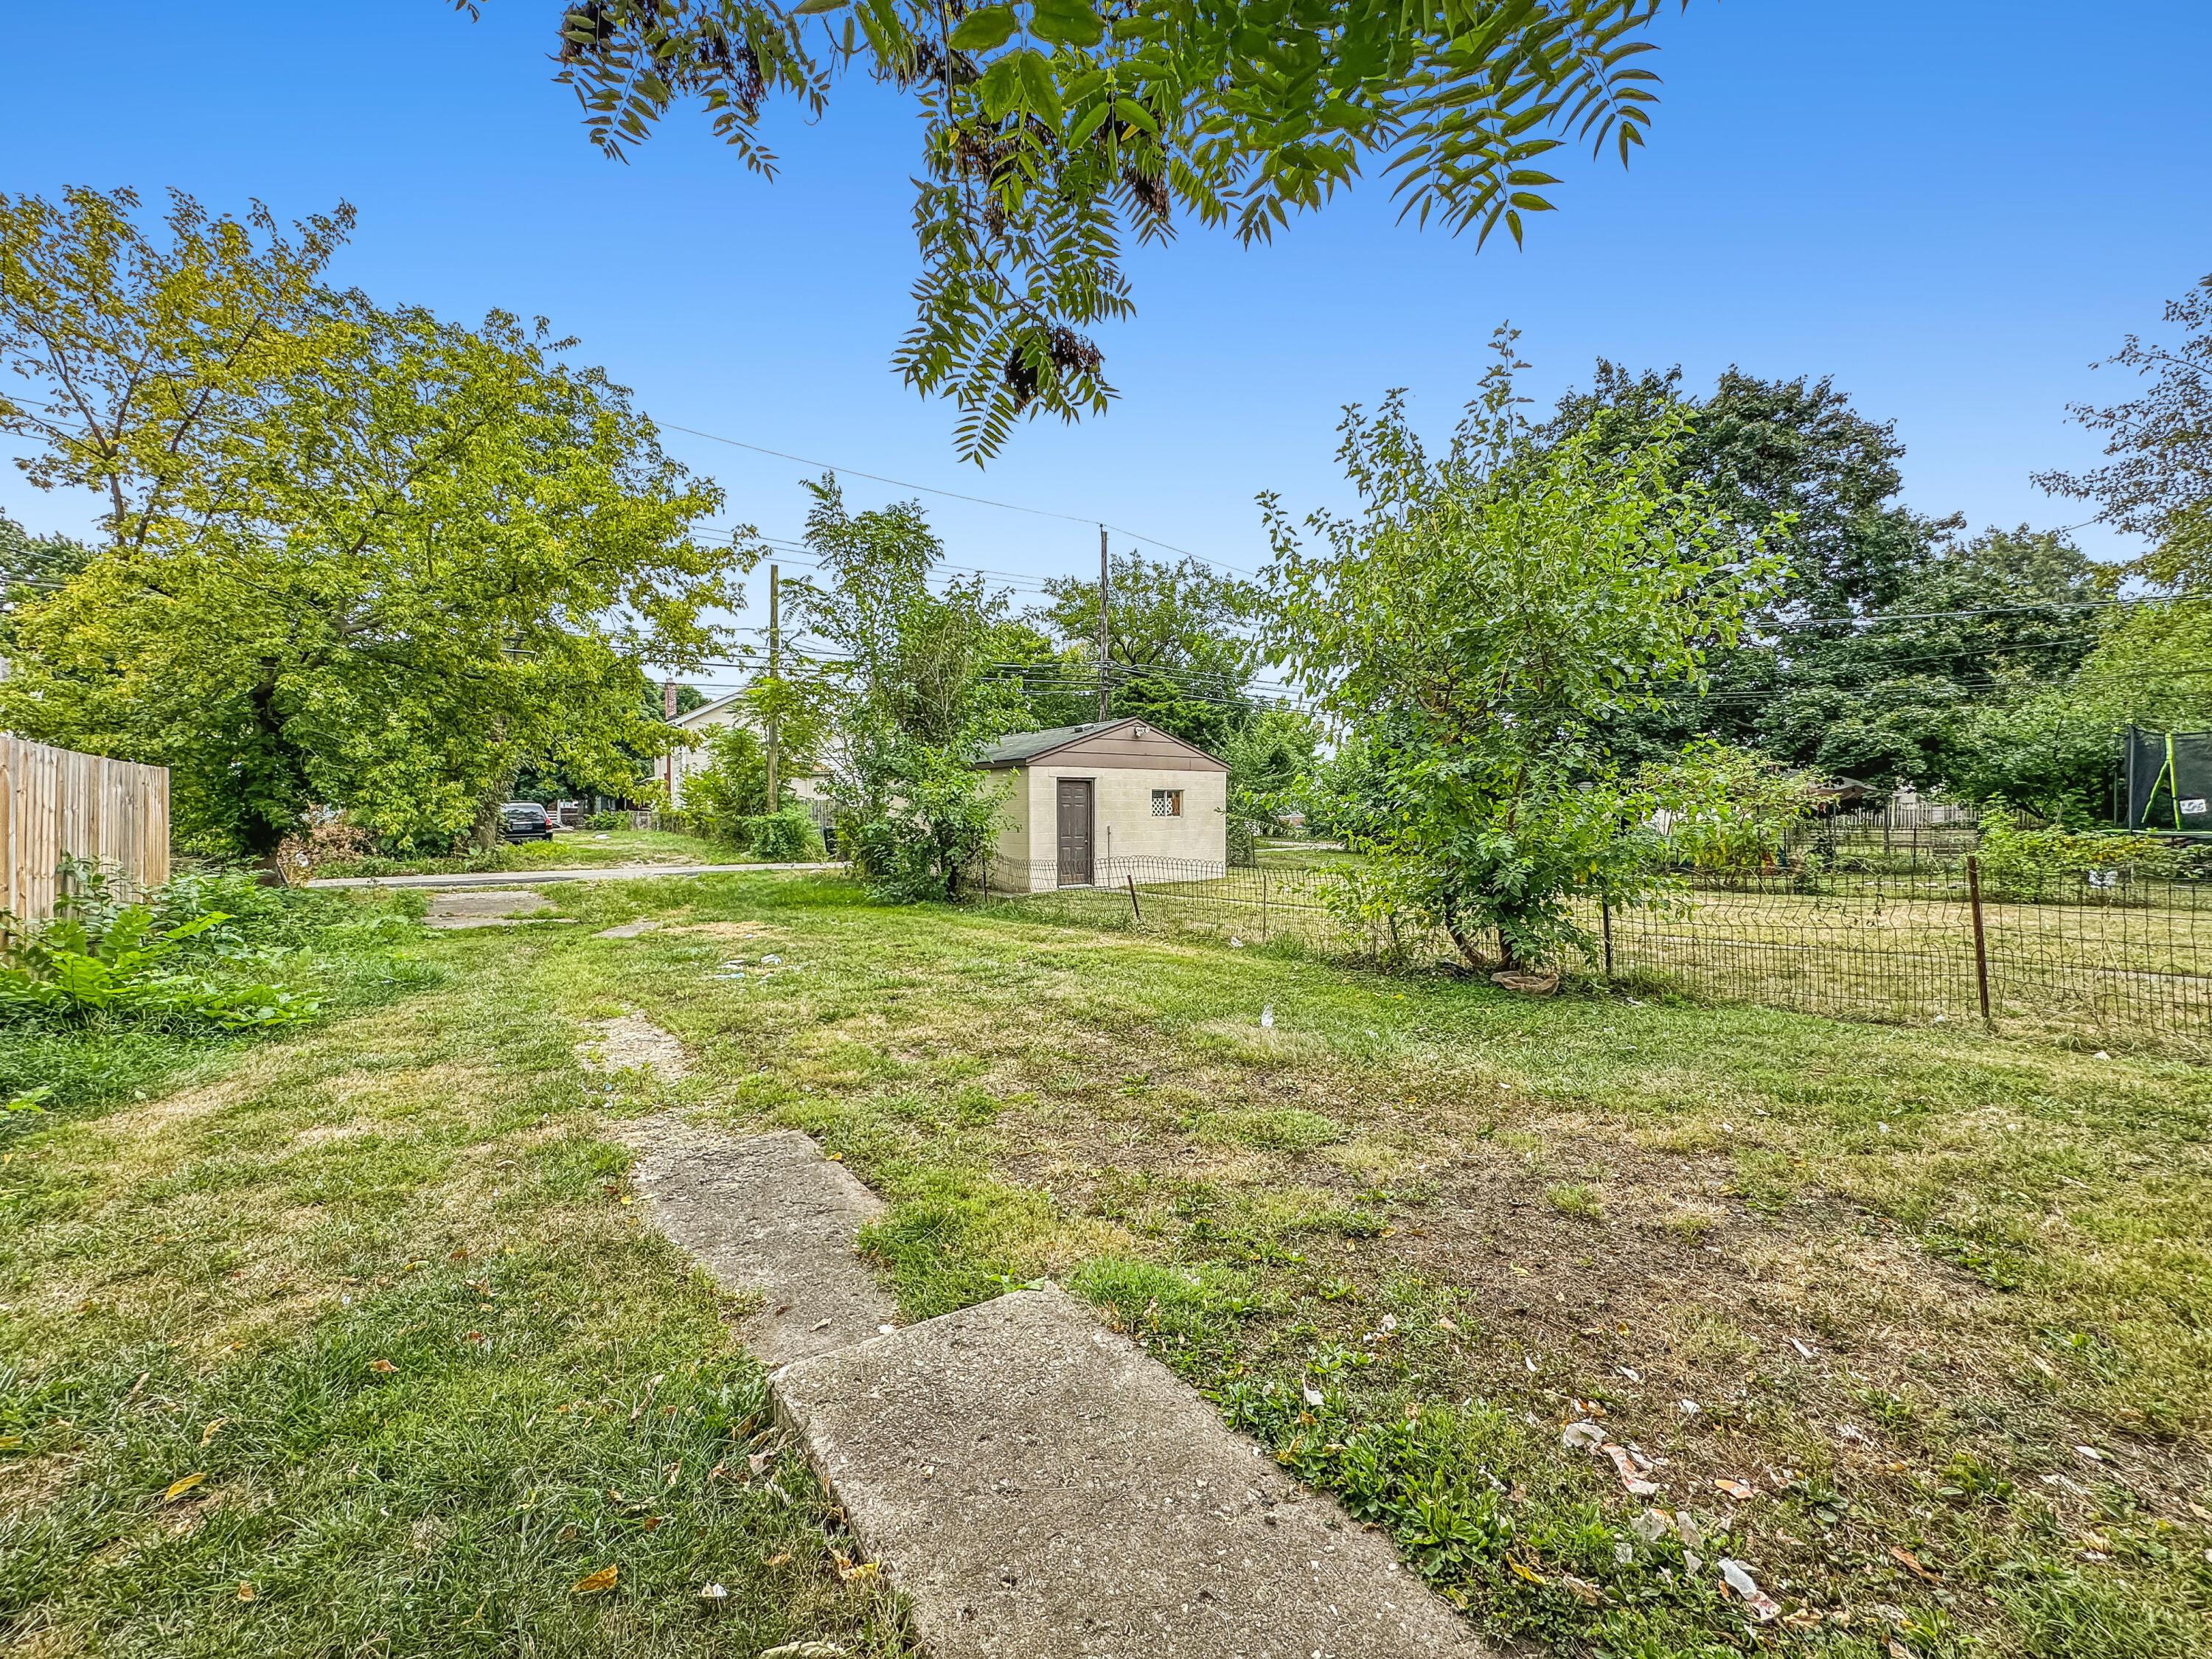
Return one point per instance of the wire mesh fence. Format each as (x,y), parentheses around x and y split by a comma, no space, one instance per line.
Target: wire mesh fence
(2118,955)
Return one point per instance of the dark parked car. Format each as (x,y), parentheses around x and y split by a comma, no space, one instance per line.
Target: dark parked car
(524,820)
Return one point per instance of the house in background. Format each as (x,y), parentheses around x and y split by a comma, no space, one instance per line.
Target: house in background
(1087,802)
(678,765)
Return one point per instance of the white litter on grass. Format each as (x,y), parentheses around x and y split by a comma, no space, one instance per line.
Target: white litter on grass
(1803,1352)
(1581,1434)
(1763,1606)
(1268,1016)
(1235,943)
(1624,1464)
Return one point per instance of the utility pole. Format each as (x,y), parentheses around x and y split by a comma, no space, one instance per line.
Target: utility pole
(775,680)
(1105,598)
(668,713)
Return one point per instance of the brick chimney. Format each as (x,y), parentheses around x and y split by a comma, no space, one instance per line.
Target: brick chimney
(668,700)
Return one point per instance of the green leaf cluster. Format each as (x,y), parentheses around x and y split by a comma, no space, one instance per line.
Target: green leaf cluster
(100,963)
(1053,130)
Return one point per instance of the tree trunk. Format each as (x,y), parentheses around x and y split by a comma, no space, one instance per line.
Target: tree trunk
(1469,953)
(275,789)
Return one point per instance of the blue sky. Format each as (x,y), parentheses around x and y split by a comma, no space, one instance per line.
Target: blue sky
(1952,207)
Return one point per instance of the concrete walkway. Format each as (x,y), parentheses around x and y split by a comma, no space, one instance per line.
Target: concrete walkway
(767,1214)
(527,878)
(1036,1486)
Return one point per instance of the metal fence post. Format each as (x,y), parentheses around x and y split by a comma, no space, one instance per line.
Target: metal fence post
(1981,943)
(1135,909)
(1605,924)
(1263,904)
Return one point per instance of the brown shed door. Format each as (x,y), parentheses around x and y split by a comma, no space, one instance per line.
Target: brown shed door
(1076,821)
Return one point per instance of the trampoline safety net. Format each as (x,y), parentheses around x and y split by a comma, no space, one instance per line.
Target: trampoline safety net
(2169,779)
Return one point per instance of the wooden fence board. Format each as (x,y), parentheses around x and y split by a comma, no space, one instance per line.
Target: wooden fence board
(55,802)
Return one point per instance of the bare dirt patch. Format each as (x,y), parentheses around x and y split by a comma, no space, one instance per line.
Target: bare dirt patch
(633,1042)
(496,907)
(183,1107)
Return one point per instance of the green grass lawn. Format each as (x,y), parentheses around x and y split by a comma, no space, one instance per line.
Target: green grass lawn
(349,1342)
(1937,1308)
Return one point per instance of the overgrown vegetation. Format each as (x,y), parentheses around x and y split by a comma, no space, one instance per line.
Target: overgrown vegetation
(169,957)
(917,700)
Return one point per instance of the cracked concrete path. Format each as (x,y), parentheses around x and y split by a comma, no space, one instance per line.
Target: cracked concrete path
(1036,1486)
(767,1214)
(631,1042)
(1039,1487)
(508,907)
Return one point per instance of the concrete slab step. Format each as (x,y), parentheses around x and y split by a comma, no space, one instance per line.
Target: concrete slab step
(1039,1488)
(767,1214)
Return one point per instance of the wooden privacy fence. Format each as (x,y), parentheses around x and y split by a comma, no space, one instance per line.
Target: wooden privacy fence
(56,802)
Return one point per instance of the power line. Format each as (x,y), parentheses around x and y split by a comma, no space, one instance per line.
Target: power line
(959,496)
(1879,617)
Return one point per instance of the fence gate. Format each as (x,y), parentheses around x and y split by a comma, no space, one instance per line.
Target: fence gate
(56,802)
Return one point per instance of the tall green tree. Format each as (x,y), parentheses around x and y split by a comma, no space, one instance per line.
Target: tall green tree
(1053,131)
(1900,698)
(1475,622)
(1821,676)
(2154,666)
(425,556)
(1791,464)
(2158,484)
(1182,648)
(352,555)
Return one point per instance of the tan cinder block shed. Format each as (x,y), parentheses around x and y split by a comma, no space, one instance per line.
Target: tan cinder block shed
(1088,805)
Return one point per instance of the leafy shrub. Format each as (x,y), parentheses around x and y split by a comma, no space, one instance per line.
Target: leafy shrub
(108,957)
(605,821)
(2034,863)
(1243,841)
(928,834)
(722,798)
(1728,808)
(787,835)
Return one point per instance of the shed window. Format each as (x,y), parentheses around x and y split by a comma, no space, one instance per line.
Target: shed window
(1167,803)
